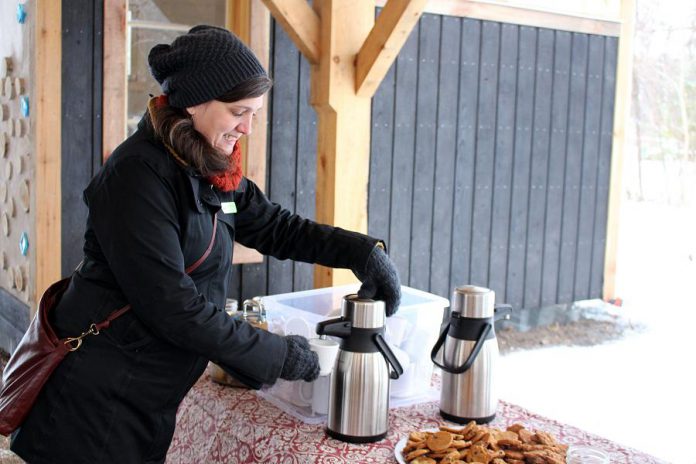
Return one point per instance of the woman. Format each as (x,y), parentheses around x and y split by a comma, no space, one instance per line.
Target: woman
(165,195)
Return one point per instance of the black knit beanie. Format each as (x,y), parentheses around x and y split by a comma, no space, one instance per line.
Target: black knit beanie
(201,65)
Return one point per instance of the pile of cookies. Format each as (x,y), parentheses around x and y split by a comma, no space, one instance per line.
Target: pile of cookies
(483,445)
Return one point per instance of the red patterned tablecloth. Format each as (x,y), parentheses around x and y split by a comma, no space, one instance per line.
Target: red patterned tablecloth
(217,424)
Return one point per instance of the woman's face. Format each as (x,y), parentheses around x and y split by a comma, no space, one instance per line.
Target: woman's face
(222,124)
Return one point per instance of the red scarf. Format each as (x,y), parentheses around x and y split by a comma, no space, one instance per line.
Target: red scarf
(226,180)
(229,179)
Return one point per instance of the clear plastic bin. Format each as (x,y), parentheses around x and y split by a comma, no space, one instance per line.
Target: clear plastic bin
(411,333)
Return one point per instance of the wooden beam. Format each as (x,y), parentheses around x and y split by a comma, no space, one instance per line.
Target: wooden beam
(114,112)
(259,41)
(622,105)
(523,15)
(393,26)
(238,18)
(251,22)
(343,124)
(301,23)
(244,255)
(47,119)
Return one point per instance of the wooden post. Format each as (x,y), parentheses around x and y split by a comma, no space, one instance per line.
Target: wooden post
(114,113)
(301,24)
(621,115)
(47,117)
(343,123)
(251,22)
(349,55)
(394,24)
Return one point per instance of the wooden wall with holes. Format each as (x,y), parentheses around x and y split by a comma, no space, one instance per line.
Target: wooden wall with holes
(16,172)
(29,159)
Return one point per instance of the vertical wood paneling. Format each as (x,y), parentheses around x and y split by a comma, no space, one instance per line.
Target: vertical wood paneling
(590,156)
(403,154)
(381,138)
(424,162)
(539,169)
(485,153)
(445,148)
(253,281)
(490,154)
(557,159)
(81,141)
(283,147)
(571,190)
(465,154)
(504,150)
(524,120)
(611,48)
(253,278)
(305,177)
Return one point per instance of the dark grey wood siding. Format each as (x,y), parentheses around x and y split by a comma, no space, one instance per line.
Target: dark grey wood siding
(510,190)
(291,167)
(490,156)
(81,131)
(489,163)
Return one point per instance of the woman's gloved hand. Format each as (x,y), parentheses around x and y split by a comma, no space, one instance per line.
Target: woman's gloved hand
(380,280)
(300,362)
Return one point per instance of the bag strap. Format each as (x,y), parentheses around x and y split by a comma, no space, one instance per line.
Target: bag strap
(119,312)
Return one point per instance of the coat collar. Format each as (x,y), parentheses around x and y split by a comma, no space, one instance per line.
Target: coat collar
(202,191)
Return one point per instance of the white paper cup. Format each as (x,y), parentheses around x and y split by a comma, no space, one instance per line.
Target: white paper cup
(317,393)
(320,395)
(327,350)
(297,326)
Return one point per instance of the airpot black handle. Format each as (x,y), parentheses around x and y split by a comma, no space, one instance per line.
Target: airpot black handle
(486,328)
(396,370)
(339,327)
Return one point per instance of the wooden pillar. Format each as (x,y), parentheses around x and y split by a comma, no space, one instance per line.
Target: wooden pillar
(46,200)
(621,114)
(343,123)
(114,112)
(350,55)
(251,22)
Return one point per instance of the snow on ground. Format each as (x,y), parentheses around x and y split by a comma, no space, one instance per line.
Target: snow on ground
(641,390)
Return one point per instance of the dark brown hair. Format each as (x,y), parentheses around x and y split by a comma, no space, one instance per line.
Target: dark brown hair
(174,126)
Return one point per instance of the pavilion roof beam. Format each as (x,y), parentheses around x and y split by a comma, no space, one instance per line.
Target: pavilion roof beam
(378,52)
(300,22)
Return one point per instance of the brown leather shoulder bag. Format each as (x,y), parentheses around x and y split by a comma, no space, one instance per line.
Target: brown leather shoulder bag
(40,351)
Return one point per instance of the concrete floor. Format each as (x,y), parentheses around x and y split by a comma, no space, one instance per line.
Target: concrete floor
(640,390)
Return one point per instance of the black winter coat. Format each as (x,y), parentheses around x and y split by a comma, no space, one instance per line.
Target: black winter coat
(115,399)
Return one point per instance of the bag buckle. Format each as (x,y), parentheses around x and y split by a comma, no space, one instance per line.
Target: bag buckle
(74,343)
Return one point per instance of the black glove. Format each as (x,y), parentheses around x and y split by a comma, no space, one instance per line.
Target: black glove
(300,361)
(380,280)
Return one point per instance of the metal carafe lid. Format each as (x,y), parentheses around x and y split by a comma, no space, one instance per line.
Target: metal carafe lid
(473,301)
(362,312)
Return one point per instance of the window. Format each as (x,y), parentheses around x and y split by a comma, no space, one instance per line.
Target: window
(151,22)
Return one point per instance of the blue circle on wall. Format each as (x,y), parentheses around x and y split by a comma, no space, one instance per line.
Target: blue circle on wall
(24,244)
(21,13)
(24,106)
